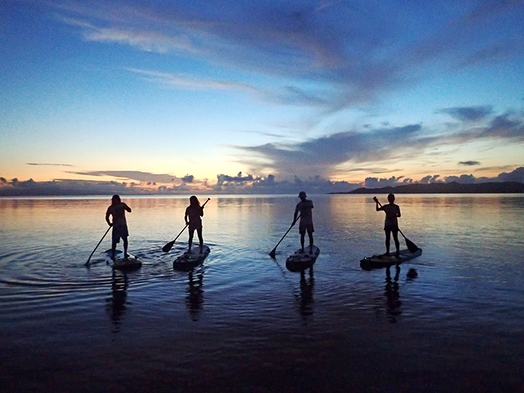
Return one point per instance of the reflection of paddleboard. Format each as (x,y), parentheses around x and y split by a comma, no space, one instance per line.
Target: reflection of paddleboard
(380,261)
(122,263)
(302,260)
(189,260)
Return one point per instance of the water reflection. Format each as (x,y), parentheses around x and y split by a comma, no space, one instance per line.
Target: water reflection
(392,294)
(116,305)
(195,293)
(305,298)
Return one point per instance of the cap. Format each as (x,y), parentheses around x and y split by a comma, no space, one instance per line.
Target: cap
(302,194)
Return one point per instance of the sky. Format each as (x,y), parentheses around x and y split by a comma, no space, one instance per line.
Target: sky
(260,97)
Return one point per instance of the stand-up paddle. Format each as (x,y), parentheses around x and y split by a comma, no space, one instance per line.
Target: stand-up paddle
(273,251)
(411,246)
(169,245)
(88,259)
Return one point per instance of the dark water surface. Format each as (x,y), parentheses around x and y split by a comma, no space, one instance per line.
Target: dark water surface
(242,322)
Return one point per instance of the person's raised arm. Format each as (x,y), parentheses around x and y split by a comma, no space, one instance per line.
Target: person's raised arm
(377,204)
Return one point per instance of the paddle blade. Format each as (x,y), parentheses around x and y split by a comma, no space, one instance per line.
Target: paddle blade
(168,246)
(272,253)
(411,246)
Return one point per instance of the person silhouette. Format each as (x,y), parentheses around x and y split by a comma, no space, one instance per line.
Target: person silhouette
(193,219)
(391,223)
(117,210)
(304,207)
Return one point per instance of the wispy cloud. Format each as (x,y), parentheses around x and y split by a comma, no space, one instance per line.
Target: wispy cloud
(132,176)
(191,82)
(46,164)
(473,113)
(359,52)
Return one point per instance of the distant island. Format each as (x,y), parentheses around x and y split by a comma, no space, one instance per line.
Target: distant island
(444,188)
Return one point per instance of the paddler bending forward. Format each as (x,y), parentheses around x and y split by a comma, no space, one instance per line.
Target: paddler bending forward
(118,211)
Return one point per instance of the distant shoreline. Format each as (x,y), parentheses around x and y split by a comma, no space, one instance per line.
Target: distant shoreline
(444,188)
(433,188)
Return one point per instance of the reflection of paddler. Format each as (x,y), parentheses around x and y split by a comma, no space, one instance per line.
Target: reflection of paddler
(117,303)
(195,298)
(392,293)
(306,292)
(118,212)
(304,208)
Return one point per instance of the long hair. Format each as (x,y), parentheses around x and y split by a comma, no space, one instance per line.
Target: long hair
(193,201)
(116,200)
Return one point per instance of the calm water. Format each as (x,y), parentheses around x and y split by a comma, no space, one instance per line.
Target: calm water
(242,322)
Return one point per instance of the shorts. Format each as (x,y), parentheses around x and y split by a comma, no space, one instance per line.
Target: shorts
(195,226)
(391,228)
(307,227)
(120,231)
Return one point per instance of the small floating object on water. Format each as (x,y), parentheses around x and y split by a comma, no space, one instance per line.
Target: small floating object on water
(412,273)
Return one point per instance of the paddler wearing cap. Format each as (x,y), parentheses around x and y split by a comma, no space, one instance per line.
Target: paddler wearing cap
(304,208)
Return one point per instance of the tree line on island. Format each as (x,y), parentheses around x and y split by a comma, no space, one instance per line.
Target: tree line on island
(444,188)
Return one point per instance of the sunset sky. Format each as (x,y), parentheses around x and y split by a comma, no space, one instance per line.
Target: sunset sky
(266,95)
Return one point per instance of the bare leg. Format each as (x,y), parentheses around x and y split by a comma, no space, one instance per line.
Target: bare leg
(302,236)
(397,244)
(388,236)
(125,246)
(190,241)
(310,242)
(201,239)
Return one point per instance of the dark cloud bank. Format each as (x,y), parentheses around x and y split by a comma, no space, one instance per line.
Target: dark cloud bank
(387,145)
(239,184)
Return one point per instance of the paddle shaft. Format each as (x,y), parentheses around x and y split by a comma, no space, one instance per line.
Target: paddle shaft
(88,259)
(272,253)
(169,245)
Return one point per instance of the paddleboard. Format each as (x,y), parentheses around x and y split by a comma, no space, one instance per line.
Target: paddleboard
(121,262)
(302,260)
(381,261)
(189,260)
